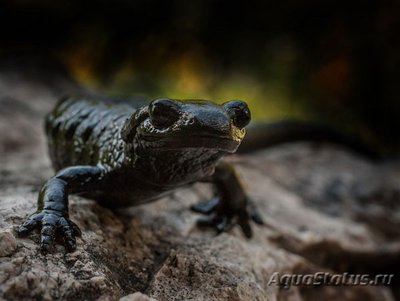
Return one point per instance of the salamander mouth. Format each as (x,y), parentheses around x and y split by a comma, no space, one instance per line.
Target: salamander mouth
(224,144)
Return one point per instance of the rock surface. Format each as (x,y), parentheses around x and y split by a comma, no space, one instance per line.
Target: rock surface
(326,210)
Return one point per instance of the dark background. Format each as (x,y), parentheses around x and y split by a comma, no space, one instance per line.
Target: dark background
(336,62)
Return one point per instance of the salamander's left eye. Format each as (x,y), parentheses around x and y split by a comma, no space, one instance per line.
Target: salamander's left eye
(239,112)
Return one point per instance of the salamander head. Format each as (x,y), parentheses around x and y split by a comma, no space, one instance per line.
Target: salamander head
(168,124)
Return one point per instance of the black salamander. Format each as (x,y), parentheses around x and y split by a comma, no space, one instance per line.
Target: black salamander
(126,154)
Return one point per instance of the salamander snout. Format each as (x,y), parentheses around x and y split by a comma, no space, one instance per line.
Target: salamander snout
(239,112)
(163,112)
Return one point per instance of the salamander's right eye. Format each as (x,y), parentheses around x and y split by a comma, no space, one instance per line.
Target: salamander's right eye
(163,112)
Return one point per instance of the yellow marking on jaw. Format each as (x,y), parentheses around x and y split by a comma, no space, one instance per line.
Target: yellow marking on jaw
(236,133)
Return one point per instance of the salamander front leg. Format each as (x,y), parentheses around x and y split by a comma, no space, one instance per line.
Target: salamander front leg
(52,214)
(230,206)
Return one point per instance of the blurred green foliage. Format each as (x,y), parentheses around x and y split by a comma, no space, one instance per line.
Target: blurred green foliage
(336,62)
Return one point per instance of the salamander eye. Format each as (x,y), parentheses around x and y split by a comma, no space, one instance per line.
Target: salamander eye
(239,112)
(163,112)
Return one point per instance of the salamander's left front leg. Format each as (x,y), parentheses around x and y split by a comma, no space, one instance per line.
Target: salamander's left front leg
(230,206)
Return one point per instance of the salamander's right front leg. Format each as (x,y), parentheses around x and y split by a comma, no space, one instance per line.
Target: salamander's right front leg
(52,214)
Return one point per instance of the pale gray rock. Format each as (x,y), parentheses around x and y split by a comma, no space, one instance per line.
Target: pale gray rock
(136,297)
(8,243)
(326,210)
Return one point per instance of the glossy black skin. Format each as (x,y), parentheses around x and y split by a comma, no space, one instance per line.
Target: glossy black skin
(127,154)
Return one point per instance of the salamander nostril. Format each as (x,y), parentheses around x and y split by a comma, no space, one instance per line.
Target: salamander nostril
(163,112)
(239,112)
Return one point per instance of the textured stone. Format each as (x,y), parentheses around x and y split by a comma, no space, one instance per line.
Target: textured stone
(8,243)
(137,297)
